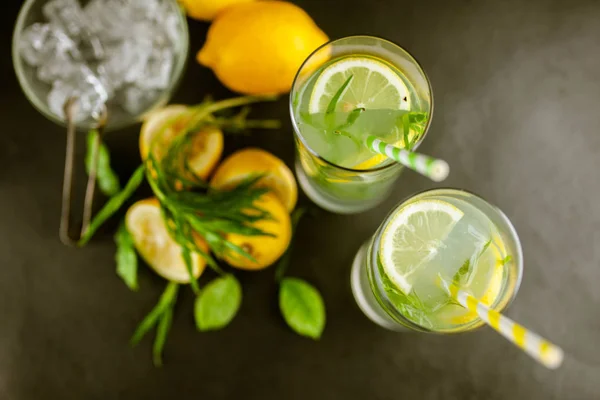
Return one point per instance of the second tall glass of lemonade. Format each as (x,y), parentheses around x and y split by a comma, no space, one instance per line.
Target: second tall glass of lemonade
(346,90)
(441,235)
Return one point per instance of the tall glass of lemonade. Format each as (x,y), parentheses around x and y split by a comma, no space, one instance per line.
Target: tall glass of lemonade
(439,235)
(346,90)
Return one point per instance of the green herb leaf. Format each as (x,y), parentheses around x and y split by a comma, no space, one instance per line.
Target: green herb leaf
(127,262)
(167,299)
(208,212)
(164,325)
(405,130)
(462,272)
(218,303)
(338,95)
(302,307)
(352,117)
(186,254)
(113,205)
(284,261)
(107,179)
(505,260)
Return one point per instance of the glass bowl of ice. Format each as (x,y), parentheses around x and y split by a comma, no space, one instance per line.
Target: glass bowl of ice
(126,54)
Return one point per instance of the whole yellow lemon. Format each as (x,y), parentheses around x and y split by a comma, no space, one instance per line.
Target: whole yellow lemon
(207,10)
(257,47)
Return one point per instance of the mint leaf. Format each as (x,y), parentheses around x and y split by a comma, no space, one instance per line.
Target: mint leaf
(127,262)
(107,179)
(302,307)
(218,303)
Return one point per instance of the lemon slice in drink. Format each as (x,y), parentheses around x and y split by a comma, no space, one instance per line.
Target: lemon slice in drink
(413,237)
(374,85)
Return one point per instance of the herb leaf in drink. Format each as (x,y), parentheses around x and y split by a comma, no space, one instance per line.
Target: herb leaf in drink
(505,260)
(332,106)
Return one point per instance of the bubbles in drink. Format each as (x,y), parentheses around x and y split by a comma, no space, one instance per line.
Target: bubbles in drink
(119,52)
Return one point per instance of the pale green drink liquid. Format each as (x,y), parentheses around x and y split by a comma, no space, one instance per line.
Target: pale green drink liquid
(345,147)
(473,256)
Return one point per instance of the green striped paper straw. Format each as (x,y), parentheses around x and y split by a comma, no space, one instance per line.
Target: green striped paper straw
(435,169)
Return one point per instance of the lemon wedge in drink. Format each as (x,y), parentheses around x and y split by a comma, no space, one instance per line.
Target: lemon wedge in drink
(374,85)
(413,237)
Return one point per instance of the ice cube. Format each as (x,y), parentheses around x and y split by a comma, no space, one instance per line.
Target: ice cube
(171,27)
(135,100)
(141,10)
(157,72)
(127,62)
(39,41)
(58,67)
(107,20)
(86,87)
(67,15)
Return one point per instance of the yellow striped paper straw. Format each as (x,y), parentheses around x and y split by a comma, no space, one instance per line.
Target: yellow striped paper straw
(537,347)
(435,169)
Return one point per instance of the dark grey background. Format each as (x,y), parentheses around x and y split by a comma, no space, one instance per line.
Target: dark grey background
(517,116)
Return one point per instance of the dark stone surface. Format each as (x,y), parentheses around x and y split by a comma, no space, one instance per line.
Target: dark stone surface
(517,116)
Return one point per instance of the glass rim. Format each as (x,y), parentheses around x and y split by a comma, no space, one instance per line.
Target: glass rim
(391,163)
(477,322)
(43,108)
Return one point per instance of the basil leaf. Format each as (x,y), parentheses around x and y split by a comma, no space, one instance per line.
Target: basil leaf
(218,303)
(284,261)
(302,307)
(107,179)
(164,325)
(113,205)
(167,299)
(127,262)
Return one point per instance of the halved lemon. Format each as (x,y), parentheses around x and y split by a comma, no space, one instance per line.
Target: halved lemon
(374,85)
(162,126)
(244,163)
(265,249)
(153,242)
(413,237)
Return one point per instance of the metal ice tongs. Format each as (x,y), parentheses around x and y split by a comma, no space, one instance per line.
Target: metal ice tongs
(70,108)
